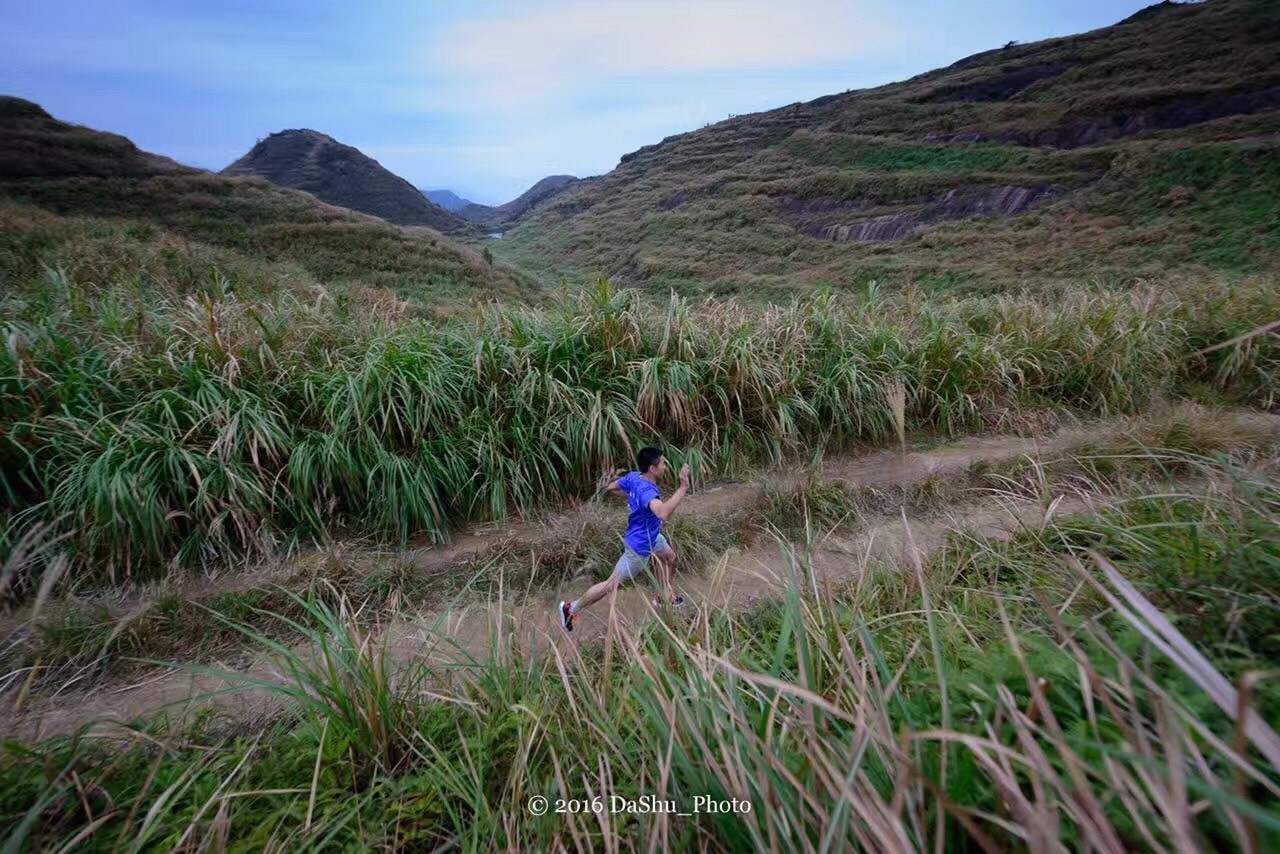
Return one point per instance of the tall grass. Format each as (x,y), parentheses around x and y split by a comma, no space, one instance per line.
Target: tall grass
(1052,708)
(198,429)
(351,681)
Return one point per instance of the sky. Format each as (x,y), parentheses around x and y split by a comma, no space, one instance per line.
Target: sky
(482,98)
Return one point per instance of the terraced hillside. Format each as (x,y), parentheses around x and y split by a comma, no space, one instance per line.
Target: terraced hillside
(1145,149)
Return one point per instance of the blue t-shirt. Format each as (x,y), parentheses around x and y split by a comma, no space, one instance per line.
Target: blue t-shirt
(642,526)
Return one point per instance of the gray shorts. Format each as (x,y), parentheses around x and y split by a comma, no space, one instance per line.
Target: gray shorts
(631,564)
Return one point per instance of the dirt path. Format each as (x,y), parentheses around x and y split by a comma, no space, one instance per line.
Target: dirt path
(737,581)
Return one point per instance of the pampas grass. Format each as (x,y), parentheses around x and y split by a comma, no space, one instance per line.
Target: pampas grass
(895,394)
(186,433)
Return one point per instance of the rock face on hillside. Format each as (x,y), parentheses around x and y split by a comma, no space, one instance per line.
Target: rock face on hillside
(341,175)
(814,217)
(506,215)
(1138,116)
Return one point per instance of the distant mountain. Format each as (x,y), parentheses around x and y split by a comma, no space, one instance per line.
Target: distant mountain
(506,215)
(447,199)
(342,175)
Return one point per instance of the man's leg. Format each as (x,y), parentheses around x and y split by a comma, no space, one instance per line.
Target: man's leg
(664,564)
(627,567)
(597,592)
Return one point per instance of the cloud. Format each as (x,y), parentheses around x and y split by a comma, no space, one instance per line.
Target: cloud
(177,47)
(524,57)
(661,36)
(528,90)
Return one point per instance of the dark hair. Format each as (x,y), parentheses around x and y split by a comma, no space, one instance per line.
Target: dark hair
(647,458)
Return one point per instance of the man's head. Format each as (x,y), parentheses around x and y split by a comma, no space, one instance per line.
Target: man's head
(650,461)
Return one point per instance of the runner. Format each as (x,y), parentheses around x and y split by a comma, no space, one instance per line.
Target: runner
(644,534)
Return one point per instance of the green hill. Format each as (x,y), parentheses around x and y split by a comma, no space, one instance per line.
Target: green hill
(96,206)
(1143,149)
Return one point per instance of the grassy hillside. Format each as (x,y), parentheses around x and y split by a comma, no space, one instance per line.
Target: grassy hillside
(1146,149)
(94,206)
(200,367)
(204,377)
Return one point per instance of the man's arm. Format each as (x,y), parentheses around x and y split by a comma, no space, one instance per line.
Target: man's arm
(664,509)
(612,480)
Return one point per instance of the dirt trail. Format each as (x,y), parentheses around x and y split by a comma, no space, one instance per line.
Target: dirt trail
(738,580)
(450,636)
(476,542)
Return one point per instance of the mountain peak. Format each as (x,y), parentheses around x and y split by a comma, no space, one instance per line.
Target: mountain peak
(447,199)
(309,160)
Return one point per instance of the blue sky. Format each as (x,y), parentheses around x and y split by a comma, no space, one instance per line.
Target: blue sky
(484,98)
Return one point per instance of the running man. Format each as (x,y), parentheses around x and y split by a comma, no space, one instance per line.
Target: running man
(644,538)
